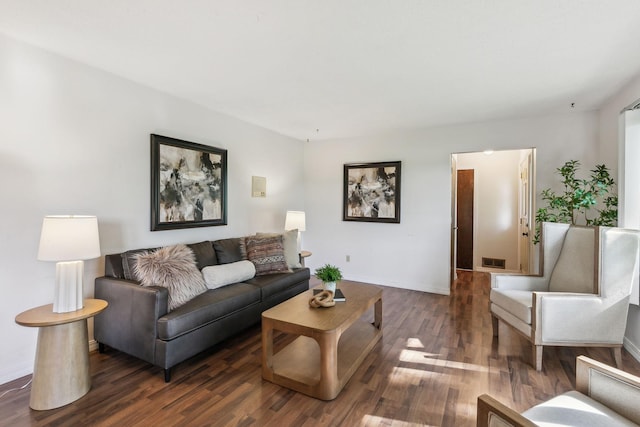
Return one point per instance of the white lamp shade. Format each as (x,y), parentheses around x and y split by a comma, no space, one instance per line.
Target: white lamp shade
(69,238)
(295,220)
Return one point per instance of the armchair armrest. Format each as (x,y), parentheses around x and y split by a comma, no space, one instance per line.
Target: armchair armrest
(129,323)
(519,282)
(490,412)
(564,317)
(612,387)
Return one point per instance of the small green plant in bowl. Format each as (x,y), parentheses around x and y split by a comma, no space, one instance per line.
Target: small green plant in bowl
(329,274)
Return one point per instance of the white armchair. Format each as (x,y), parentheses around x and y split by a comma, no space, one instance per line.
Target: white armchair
(582,296)
(604,396)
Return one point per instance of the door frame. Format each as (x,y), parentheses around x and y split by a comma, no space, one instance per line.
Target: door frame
(454,219)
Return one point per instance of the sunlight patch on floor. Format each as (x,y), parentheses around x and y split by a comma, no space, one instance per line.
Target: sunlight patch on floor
(374,420)
(414,343)
(404,376)
(413,356)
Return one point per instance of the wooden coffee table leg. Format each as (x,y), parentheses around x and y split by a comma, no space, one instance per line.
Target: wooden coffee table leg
(267,350)
(329,385)
(377,322)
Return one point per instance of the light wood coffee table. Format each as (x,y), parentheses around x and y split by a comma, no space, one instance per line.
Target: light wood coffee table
(331,344)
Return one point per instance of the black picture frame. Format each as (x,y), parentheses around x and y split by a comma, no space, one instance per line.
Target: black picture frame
(371,192)
(188,184)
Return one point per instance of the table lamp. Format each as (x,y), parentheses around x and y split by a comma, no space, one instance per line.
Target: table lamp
(69,240)
(295,220)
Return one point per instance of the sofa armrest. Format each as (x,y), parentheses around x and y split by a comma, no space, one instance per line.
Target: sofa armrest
(129,323)
(616,389)
(491,413)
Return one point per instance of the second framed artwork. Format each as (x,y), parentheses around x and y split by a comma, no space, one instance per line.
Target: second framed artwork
(371,192)
(188,184)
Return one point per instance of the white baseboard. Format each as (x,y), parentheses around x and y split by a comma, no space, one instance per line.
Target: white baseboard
(16,372)
(413,287)
(632,348)
(496,270)
(26,368)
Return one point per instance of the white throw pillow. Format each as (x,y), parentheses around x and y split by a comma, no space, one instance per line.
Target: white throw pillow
(216,276)
(290,244)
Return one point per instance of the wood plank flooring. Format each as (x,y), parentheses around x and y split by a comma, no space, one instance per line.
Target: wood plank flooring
(436,356)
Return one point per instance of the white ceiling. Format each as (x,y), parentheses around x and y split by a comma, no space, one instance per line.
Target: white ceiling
(350,67)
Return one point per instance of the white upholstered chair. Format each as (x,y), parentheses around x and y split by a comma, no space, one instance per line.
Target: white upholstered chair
(582,296)
(604,396)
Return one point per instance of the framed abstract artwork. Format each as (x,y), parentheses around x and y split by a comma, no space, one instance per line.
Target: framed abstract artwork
(188,184)
(371,192)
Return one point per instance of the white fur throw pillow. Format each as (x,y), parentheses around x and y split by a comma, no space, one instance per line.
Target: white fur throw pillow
(174,268)
(216,276)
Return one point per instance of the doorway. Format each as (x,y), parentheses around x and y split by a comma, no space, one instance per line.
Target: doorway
(492,229)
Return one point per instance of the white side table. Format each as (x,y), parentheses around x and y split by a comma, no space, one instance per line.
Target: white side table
(61,369)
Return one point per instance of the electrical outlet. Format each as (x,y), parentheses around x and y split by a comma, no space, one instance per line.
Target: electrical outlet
(348,258)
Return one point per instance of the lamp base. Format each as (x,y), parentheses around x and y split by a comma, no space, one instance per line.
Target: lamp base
(68,292)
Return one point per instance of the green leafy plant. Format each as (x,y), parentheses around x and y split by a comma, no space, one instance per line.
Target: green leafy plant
(574,205)
(328,273)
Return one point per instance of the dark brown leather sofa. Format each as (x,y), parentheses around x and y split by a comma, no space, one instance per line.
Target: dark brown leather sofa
(138,323)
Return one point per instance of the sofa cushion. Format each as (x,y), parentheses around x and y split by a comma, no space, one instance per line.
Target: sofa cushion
(174,268)
(129,262)
(575,409)
(273,284)
(216,276)
(290,245)
(516,302)
(206,308)
(230,250)
(267,254)
(113,266)
(205,255)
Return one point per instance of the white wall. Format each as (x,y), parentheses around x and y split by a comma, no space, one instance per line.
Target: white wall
(415,254)
(609,149)
(74,139)
(495,228)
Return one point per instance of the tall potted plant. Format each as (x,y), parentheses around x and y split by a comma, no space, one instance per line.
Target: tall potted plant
(588,202)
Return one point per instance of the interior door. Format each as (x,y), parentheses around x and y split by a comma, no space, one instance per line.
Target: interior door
(464,213)
(524,222)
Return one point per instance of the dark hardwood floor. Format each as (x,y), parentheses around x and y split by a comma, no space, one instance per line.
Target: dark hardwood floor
(436,356)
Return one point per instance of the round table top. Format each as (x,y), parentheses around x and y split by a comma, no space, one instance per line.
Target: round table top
(44,315)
